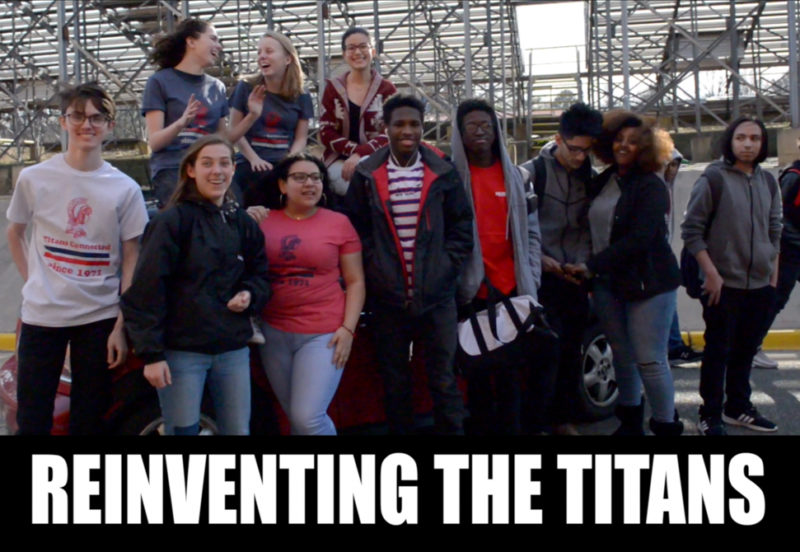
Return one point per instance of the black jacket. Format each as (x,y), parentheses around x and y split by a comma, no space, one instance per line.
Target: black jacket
(443,241)
(194,258)
(638,263)
(790,189)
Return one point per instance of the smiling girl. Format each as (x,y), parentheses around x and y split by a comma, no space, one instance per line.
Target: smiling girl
(201,272)
(181,103)
(310,322)
(277,124)
(351,126)
(634,274)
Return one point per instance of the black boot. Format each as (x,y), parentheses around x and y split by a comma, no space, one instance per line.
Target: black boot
(632,418)
(667,429)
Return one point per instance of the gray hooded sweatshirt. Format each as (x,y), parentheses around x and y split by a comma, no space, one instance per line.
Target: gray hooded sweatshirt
(563,209)
(523,227)
(744,238)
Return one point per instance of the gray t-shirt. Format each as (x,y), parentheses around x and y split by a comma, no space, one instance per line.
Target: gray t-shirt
(168,90)
(601,214)
(271,136)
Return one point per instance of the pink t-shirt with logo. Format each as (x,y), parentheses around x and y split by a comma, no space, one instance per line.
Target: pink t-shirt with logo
(307,296)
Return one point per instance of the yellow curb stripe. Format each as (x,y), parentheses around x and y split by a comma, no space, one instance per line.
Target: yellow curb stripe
(776,340)
(8,341)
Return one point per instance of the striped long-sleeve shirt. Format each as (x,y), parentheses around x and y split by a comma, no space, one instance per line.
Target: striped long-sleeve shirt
(405,188)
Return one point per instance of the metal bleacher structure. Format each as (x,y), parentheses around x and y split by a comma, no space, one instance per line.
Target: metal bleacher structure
(657,56)
(652,56)
(442,51)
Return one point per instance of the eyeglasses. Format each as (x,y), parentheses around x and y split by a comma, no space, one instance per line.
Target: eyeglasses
(364,47)
(474,127)
(78,117)
(575,150)
(302,177)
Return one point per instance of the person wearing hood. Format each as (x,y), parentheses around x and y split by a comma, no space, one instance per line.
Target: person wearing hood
(679,353)
(561,174)
(733,228)
(506,253)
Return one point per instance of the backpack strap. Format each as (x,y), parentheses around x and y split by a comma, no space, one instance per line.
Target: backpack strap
(715,182)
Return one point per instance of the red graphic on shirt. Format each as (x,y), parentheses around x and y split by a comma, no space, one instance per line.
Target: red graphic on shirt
(78,212)
(271,119)
(201,118)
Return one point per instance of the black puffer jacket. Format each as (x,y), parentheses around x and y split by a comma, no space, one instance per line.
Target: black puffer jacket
(194,258)
(444,233)
(638,263)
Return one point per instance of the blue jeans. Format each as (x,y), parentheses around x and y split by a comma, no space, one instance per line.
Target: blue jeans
(675,338)
(302,374)
(637,332)
(228,384)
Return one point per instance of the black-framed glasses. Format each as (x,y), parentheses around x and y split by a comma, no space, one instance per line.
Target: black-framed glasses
(483,127)
(575,150)
(78,118)
(302,177)
(364,47)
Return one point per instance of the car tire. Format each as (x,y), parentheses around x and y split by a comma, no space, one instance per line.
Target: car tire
(597,384)
(146,420)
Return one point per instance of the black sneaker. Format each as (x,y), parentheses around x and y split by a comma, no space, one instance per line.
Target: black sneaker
(711,425)
(684,355)
(751,419)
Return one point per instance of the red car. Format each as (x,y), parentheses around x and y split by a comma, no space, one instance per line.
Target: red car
(358,403)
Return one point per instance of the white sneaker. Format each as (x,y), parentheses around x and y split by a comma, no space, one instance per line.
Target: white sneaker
(762,361)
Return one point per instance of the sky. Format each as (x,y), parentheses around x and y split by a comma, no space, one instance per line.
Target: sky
(554,30)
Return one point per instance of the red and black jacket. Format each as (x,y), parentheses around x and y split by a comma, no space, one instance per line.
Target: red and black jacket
(443,241)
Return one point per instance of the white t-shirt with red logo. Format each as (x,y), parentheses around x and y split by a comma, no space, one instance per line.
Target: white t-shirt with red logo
(79,221)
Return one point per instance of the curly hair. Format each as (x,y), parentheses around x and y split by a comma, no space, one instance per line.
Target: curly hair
(168,50)
(655,144)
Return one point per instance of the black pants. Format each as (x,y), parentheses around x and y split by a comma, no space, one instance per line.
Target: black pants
(788,276)
(733,333)
(435,332)
(566,306)
(41,360)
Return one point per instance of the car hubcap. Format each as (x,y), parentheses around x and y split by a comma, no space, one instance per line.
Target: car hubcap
(599,380)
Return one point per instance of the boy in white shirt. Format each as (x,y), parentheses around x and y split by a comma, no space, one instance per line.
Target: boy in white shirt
(86,219)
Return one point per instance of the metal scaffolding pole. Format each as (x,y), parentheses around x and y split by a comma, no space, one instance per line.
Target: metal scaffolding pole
(608,56)
(734,61)
(467,53)
(76,35)
(503,69)
(488,41)
(529,117)
(697,116)
(376,22)
(794,97)
(321,52)
(62,59)
(626,85)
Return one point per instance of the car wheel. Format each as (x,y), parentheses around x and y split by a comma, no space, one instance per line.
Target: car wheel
(597,388)
(149,422)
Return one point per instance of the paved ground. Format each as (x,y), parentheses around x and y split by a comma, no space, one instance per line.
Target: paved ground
(776,394)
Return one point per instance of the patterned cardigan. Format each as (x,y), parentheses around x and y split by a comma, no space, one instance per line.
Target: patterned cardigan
(335,120)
